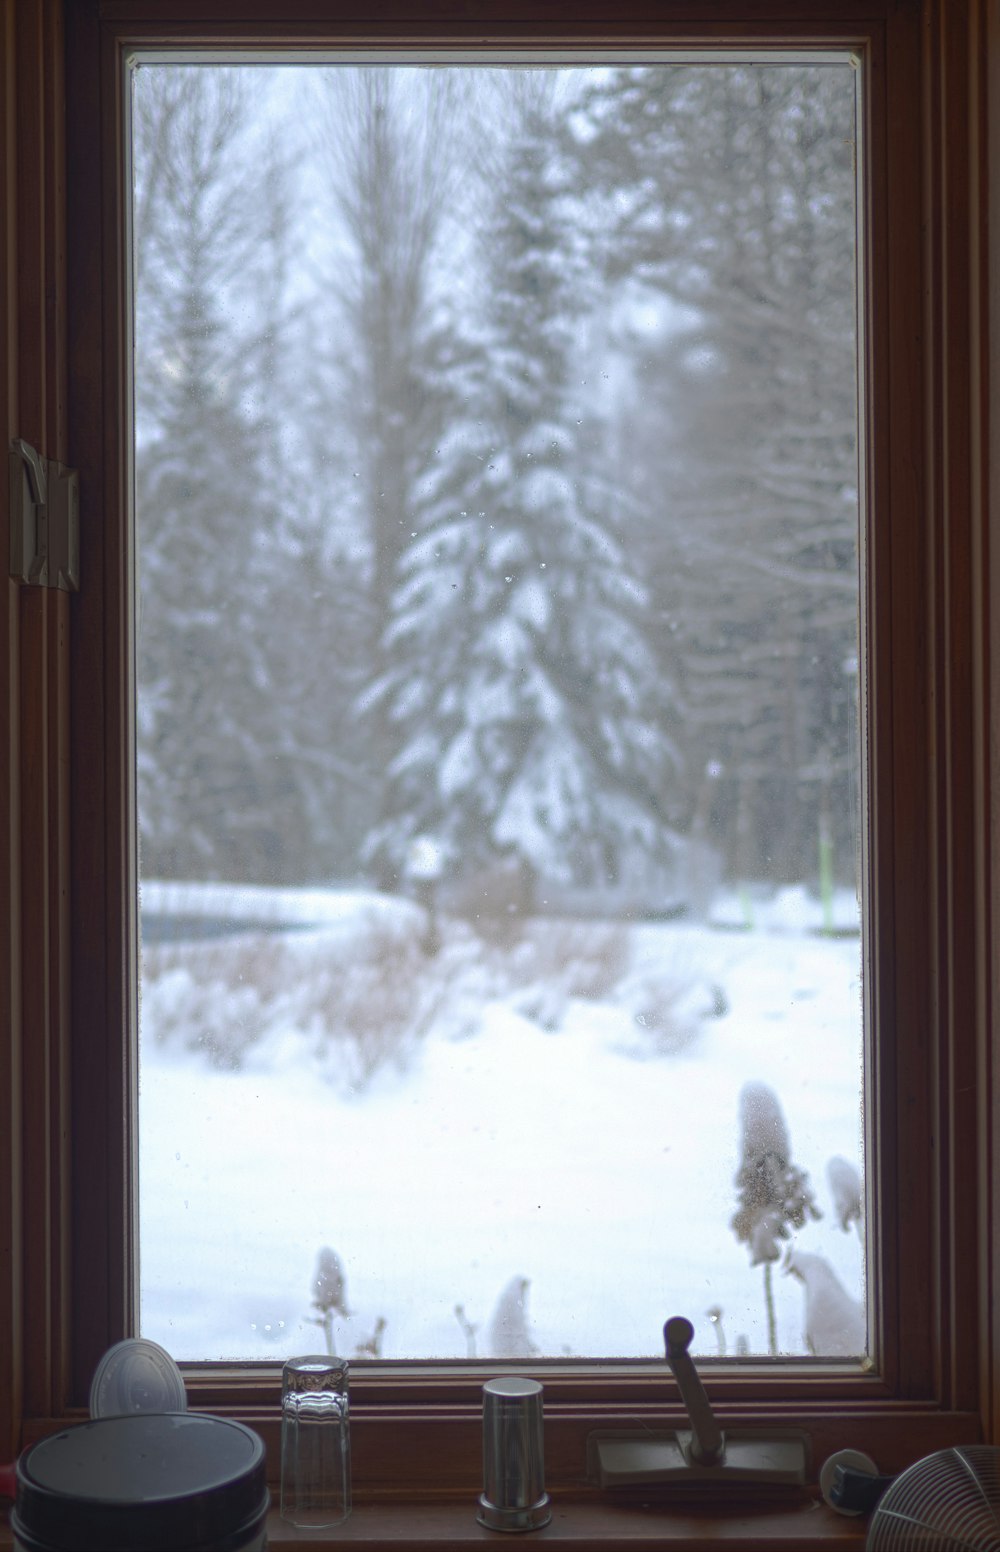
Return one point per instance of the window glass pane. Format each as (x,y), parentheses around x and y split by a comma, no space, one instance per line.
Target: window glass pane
(499,758)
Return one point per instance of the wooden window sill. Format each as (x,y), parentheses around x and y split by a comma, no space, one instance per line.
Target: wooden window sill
(589,1525)
(586,1524)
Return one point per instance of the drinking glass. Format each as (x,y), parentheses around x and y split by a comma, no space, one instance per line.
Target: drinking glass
(315,1441)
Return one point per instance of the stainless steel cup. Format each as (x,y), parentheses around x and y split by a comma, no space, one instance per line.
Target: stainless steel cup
(513,1496)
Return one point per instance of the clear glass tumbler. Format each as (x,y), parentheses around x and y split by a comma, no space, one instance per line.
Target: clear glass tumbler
(315,1442)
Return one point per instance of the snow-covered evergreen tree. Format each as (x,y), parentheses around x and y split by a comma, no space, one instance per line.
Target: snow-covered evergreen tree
(532,721)
(388,150)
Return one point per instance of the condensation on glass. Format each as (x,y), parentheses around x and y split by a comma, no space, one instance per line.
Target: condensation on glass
(499,757)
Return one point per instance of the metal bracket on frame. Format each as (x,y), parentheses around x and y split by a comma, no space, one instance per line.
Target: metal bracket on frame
(44,520)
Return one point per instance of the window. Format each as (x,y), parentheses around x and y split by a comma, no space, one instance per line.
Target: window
(496,463)
(69,1207)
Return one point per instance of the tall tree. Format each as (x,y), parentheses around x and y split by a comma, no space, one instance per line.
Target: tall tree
(532,722)
(390,165)
(729,211)
(225,788)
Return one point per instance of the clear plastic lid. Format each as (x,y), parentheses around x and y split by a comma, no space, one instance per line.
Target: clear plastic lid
(136,1376)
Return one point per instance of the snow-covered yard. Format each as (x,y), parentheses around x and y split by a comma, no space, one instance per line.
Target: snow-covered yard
(562,1107)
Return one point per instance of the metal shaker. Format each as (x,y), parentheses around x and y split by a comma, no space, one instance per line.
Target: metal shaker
(513,1496)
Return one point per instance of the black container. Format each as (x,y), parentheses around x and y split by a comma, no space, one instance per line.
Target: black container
(150,1482)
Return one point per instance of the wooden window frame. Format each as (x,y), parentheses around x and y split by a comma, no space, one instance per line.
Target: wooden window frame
(67,952)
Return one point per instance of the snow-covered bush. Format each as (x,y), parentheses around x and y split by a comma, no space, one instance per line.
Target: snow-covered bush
(359,1000)
(368,1010)
(845,1188)
(556,960)
(495,898)
(834,1323)
(355,998)
(329,1297)
(509,1333)
(587,958)
(667,1005)
(774,1194)
(211,1015)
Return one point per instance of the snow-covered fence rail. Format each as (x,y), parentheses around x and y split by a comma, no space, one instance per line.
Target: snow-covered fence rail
(177,912)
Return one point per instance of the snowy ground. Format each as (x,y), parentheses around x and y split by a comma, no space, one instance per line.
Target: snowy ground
(569,1118)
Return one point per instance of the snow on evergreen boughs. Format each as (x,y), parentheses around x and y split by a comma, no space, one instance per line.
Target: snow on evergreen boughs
(530,715)
(774,1194)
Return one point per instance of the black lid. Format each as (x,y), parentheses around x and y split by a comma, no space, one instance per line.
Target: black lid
(152,1482)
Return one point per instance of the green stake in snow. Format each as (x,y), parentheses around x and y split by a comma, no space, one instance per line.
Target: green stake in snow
(826,860)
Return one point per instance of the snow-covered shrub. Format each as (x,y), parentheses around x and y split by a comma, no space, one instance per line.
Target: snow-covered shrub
(558,959)
(586,959)
(774,1194)
(216,996)
(367,1010)
(541,1002)
(834,1322)
(329,1297)
(242,959)
(667,1005)
(212,1015)
(328,1289)
(494,899)
(371,1347)
(509,1333)
(359,999)
(845,1188)
(550,962)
